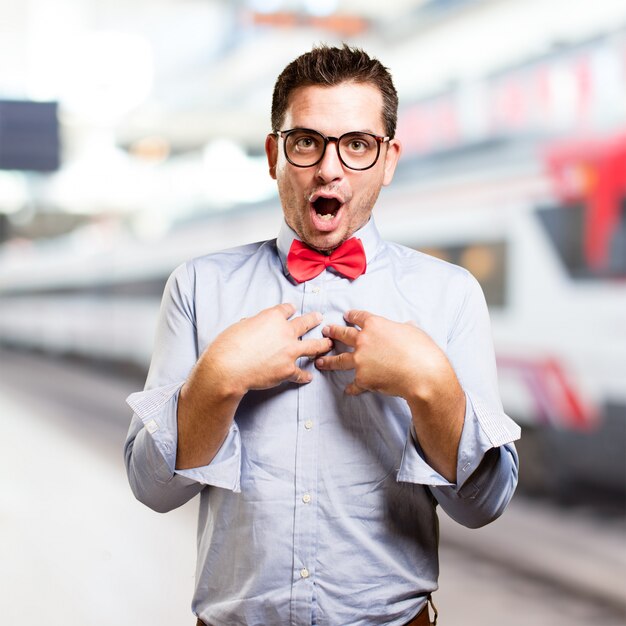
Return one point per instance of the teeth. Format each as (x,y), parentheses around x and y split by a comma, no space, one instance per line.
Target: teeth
(326,216)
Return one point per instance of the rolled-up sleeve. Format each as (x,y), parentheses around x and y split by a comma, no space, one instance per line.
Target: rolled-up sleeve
(487,462)
(150,448)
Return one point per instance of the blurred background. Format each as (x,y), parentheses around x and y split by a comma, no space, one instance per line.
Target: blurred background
(131,139)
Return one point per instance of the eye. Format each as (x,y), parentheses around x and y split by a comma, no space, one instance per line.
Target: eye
(305,143)
(357,144)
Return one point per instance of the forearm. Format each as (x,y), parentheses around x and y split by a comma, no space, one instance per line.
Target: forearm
(206,408)
(437,404)
(438,416)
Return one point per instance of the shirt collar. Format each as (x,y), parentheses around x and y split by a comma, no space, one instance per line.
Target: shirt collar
(368,234)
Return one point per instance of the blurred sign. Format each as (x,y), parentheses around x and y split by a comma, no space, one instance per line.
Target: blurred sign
(594,173)
(577,90)
(29,136)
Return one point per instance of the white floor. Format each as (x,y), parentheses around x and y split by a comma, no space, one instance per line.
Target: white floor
(75,547)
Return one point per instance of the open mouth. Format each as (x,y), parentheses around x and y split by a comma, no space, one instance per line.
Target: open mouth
(326,208)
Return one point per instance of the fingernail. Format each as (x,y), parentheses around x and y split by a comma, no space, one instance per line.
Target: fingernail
(325,330)
(319,362)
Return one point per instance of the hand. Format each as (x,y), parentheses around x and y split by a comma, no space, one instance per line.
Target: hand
(255,353)
(402,360)
(260,352)
(393,358)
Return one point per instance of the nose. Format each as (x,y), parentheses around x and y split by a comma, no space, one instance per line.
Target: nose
(330,167)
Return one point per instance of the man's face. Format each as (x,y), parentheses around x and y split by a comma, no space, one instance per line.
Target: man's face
(326,203)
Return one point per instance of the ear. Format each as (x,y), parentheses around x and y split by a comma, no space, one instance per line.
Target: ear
(271,151)
(394,149)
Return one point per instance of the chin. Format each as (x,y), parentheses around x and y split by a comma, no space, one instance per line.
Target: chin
(326,242)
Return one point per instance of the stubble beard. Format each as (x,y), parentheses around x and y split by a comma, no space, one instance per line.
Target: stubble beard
(356,218)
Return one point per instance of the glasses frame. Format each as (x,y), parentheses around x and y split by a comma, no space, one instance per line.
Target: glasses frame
(327,139)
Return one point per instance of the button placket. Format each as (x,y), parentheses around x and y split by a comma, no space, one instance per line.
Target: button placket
(305,524)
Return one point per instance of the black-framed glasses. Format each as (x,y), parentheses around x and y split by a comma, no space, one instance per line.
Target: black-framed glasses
(305,147)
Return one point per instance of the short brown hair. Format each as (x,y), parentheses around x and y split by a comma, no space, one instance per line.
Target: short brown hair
(329,66)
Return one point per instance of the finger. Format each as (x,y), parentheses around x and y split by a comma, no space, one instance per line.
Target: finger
(304,323)
(301,377)
(345,334)
(353,389)
(314,347)
(286,308)
(357,317)
(343,361)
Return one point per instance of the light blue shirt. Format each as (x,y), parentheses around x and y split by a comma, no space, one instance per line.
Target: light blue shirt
(319,508)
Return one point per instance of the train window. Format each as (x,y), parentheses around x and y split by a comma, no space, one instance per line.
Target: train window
(487,261)
(588,248)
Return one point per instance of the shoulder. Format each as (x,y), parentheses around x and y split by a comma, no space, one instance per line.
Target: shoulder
(218,266)
(446,285)
(450,290)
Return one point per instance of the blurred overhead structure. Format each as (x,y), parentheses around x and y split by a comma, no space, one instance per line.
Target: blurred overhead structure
(179,77)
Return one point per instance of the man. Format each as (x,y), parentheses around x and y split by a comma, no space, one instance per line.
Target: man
(323,391)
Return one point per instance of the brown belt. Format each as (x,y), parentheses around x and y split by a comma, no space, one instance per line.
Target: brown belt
(421,619)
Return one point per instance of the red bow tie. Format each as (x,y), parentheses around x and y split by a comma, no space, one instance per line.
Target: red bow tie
(305,263)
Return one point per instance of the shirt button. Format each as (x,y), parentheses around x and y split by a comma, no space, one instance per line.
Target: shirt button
(306,498)
(304,573)
(308,424)
(315,290)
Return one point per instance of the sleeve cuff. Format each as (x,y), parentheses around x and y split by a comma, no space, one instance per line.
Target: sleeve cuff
(482,431)
(497,426)
(157,409)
